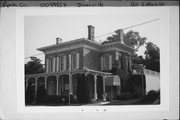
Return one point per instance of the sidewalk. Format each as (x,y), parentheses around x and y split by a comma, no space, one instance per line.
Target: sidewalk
(123,102)
(97,103)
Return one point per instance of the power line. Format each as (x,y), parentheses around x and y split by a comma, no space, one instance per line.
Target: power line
(104,34)
(141,24)
(33,55)
(130,27)
(111,32)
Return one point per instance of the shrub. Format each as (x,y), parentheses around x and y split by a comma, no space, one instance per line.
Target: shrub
(29,94)
(41,92)
(151,95)
(50,99)
(124,96)
(54,99)
(83,90)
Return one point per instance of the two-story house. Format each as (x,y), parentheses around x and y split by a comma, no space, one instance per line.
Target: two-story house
(85,68)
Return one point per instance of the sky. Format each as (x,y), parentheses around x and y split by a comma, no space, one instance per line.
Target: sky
(40,31)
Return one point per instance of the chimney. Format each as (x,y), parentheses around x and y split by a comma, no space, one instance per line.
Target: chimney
(91,32)
(58,40)
(120,35)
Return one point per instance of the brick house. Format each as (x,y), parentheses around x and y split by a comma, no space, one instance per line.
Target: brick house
(84,67)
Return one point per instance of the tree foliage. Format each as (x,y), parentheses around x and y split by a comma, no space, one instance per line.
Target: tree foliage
(34,66)
(152,51)
(152,57)
(131,38)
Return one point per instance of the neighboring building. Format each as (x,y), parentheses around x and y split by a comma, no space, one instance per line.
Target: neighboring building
(84,66)
(150,80)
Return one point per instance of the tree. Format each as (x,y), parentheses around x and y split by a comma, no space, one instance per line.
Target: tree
(138,59)
(152,51)
(131,38)
(34,66)
(152,57)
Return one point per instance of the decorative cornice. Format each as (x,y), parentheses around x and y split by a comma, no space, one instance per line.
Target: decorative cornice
(67,73)
(84,43)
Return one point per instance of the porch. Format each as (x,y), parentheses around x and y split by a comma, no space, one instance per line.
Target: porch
(76,83)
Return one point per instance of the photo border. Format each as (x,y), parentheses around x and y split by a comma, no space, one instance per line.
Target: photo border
(164,62)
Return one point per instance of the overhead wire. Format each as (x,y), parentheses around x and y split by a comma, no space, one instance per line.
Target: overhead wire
(33,55)
(129,27)
(111,32)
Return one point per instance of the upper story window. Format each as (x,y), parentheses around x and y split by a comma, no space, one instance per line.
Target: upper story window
(56,64)
(106,62)
(119,60)
(74,61)
(62,62)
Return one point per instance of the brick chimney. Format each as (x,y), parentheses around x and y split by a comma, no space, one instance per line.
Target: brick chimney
(58,40)
(91,32)
(120,35)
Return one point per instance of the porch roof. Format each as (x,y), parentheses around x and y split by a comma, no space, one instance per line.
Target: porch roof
(69,72)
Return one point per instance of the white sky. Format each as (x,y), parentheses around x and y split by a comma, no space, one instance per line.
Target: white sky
(40,31)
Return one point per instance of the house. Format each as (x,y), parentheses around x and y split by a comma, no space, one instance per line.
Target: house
(84,68)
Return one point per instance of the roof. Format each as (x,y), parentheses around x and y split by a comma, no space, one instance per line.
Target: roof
(84,41)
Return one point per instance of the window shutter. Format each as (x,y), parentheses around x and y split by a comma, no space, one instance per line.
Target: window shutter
(57,64)
(77,61)
(64,60)
(101,63)
(110,62)
(70,62)
(47,65)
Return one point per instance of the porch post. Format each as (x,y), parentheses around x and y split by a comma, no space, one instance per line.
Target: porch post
(27,83)
(45,83)
(36,86)
(104,89)
(57,85)
(95,87)
(70,87)
(70,83)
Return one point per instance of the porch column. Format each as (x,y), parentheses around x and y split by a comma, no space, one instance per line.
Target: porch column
(57,85)
(95,87)
(45,83)
(36,86)
(104,89)
(27,83)
(70,83)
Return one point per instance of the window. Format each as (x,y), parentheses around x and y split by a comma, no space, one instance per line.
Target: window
(122,62)
(75,61)
(102,65)
(110,62)
(50,64)
(47,65)
(53,64)
(106,62)
(62,62)
(57,64)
